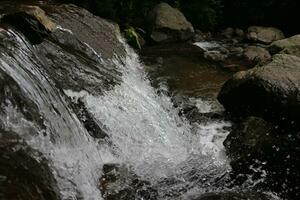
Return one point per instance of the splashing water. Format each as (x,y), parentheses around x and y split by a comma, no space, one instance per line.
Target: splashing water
(144,128)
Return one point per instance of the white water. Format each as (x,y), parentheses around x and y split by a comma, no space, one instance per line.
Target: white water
(145,129)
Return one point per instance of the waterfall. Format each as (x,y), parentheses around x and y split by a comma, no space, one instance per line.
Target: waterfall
(145,130)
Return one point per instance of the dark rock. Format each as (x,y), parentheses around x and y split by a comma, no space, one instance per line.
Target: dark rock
(24,172)
(101,35)
(32,22)
(271,91)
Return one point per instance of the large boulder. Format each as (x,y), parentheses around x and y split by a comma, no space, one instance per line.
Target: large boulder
(168,24)
(289,46)
(271,91)
(256,54)
(264,35)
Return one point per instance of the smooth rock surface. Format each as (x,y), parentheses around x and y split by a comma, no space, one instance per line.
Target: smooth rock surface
(289,46)
(271,91)
(169,24)
(256,54)
(264,35)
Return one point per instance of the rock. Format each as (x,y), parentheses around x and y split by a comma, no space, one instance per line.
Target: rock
(239,32)
(32,22)
(256,54)
(214,56)
(228,32)
(40,15)
(237,50)
(264,35)
(168,24)
(25,173)
(289,46)
(271,91)
(98,33)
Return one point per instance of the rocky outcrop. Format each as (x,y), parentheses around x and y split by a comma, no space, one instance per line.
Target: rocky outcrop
(25,173)
(168,24)
(256,54)
(38,65)
(289,46)
(271,91)
(31,21)
(264,35)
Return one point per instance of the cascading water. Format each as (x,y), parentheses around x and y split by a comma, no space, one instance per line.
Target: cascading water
(144,128)
(144,131)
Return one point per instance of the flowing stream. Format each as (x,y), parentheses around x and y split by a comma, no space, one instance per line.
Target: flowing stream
(145,133)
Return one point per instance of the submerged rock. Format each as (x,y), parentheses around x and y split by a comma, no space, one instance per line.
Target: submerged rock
(264,35)
(169,24)
(271,91)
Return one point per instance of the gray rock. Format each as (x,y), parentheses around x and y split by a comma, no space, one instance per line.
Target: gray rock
(271,91)
(215,56)
(264,35)
(256,54)
(169,24)
(289,46)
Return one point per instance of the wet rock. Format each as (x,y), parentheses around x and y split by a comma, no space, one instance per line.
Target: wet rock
(85,44)
(215,56)
(271,91)
(98,33)
(169,24)
(32,22)
(289,46)
(264,35)
(237,50)
(120,183)
(256,54)
(24,172)
(88,120)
